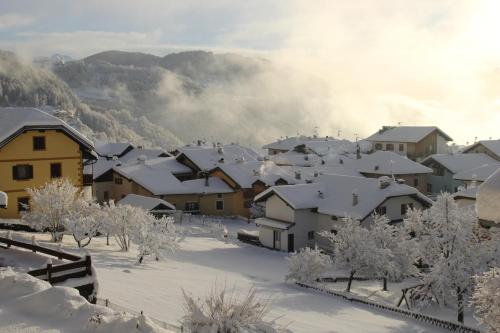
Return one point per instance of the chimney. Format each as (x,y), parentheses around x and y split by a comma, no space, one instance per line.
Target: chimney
(298,175)
(220,151)
(198,143)
(141,159)
(355,197)
(221,160)
(320,194)
(316,173)
(256,172)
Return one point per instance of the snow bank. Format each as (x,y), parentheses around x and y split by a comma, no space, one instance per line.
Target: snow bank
(36,301)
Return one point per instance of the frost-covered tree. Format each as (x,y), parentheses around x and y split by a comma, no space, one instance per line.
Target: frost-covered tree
(121,221)
(84,221)
(354,250)
(486,299)
(307,265)
(51,205)
(225,311)
(155,237)
(396,250)
(450,246)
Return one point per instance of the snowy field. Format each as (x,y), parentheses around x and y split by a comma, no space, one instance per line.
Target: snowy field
(156,287)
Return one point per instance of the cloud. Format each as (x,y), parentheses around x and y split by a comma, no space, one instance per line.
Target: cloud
(10,21)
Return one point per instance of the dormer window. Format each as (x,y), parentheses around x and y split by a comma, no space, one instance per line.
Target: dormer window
(38,143)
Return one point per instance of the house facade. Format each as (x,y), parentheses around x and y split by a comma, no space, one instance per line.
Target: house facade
(445,167)
(295,214)
(415,142)
(36,148)
(488,147)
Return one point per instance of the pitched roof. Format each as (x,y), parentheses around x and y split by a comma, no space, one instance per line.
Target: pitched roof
(247,173)
(208,157)
(412,134)
(337,195)
(460,162)
(148,203)
(136,153)
(106,149)
(388,163)
(480,173)
(312,173)
(156,176)
(492,145)
(13,120)
(488,197)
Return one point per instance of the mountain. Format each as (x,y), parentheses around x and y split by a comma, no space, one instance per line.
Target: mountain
(26,85)
(122,58)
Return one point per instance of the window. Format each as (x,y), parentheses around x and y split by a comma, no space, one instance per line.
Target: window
(401,147)
(378,146)
(389,146)
(405,207)
(415,182)
(191,206)
(23,204)
(381,210)
(118,181)
(429,188)
(219,205)
(55,170)
(22,172)
(38,143)
(310,235)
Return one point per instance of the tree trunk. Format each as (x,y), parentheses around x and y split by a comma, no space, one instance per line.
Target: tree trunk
(460,302)
(350,281)
(140,259)
(107,238)
(385,284)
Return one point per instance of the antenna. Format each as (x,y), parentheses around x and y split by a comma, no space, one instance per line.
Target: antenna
(356,135)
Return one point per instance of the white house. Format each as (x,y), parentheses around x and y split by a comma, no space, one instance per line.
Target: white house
(416,142)
(296,213)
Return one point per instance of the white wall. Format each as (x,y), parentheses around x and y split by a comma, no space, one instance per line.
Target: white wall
(278,209)
(266,236)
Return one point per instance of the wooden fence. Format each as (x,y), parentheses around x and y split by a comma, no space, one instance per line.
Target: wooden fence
(451,326)
(79,267)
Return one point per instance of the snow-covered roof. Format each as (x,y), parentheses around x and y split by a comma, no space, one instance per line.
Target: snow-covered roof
(320,146)
(274,223)
(4,199)
(460,162)
(13,120)
(208,157)
(333,195)
(312,173)
(287,143)
(388,163)
(479,173)
(488,197)
(148,203)
(411,134)
(137,153)
(101,166)
(491,145)
(106,149)
(247,173)
(469,193)
(157,176)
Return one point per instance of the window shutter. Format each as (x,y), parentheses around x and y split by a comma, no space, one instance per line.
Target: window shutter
(14,172)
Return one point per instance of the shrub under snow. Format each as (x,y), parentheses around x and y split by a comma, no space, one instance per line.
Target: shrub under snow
(155,237)
(486,299)
(307,265)
(224,311)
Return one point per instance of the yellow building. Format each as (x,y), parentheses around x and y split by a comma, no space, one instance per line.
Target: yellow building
(35,148)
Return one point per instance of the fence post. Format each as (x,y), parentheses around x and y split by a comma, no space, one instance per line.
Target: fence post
(49,271)
(88,265)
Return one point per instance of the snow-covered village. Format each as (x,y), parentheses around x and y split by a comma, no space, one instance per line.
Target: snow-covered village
(263,167)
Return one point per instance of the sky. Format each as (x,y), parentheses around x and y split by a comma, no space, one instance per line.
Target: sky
(385,62)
